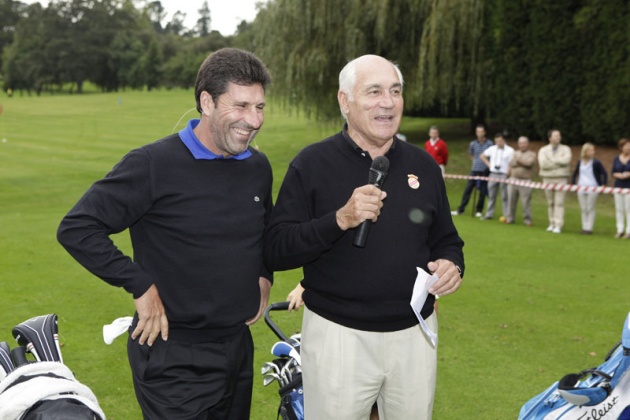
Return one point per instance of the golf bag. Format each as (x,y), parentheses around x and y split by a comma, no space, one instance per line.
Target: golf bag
(286,369)
(43,389)
(601,393)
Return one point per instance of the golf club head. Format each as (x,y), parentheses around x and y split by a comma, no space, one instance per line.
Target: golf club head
(6,364)
(18,355)
(284,349)
(269,378)
(40,337)
(269,366)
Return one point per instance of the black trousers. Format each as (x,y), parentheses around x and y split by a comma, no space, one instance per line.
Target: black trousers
(470,186)
(193,381)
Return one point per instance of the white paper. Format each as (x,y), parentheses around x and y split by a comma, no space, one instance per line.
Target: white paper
(421,287)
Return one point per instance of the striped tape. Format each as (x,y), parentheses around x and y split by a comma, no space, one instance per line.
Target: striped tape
(542,186)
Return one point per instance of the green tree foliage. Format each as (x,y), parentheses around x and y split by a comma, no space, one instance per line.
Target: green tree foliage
(107,42)
(439,46)
(604,96)
(526,65)
(176,25)
(151,65)
(203,23)
(564,65)
(10,13)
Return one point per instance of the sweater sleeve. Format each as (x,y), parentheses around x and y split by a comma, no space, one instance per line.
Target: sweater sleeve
(110,206)
(293,237)
(564,156)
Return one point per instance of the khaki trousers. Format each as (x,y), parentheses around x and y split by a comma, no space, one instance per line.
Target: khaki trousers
(525,194)
(555,202)
(345,371)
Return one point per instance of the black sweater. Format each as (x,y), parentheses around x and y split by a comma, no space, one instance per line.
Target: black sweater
(363,288)
(196,228)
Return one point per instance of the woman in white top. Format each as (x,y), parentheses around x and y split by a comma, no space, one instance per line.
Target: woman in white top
(589,172)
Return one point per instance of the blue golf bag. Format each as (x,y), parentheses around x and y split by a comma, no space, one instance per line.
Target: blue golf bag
(287,365)
(600,393)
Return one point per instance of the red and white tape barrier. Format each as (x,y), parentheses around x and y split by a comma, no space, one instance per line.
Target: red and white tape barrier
(541,186)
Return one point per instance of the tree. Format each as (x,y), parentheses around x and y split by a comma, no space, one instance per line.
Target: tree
(604,99)
(10,13)
(151,62)
(203,23)
(176,25)
(441,48)
(156,14)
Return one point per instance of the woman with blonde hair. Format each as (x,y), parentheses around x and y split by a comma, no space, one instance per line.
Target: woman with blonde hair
(621,173)
(589,172)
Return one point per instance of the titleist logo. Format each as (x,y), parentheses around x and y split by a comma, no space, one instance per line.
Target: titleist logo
(601,412)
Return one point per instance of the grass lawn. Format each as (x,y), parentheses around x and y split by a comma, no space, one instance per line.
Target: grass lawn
(533,307)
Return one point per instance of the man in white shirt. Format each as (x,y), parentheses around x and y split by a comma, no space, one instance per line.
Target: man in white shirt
(497,157)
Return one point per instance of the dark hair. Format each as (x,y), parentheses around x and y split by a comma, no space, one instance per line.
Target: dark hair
(550,132)
(623,142)
(480,126)
(497,135)
(229,65)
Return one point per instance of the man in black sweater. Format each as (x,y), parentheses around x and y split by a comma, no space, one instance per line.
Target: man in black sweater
(196,204)
(361,341)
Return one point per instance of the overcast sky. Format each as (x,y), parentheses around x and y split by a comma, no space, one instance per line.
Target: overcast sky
(225,14)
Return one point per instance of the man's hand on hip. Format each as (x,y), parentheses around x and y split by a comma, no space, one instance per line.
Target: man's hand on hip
(151,317)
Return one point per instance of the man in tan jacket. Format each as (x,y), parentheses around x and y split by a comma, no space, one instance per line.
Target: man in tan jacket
(554,160)
(521,169)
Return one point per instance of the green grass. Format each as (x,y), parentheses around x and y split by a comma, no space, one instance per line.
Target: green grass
(533,306)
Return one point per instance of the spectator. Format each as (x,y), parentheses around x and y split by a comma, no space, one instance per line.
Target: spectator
(357,298)
(497,158)
(554,160)
(621,173)
(437,148)
(521,169)
(479,168)
(196,204)
(589,172)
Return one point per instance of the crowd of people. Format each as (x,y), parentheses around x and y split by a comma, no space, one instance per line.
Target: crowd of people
(508,170)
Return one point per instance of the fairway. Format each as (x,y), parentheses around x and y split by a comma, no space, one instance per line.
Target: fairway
(533,307)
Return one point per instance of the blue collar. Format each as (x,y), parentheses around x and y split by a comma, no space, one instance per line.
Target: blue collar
(198,150)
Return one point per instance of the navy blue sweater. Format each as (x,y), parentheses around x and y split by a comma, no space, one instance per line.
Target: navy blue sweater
(196,228)
(363,288)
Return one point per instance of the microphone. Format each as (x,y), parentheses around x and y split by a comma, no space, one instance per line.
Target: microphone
(378,173)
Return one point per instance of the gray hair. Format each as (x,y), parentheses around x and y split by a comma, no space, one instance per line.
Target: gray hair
(348,80)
